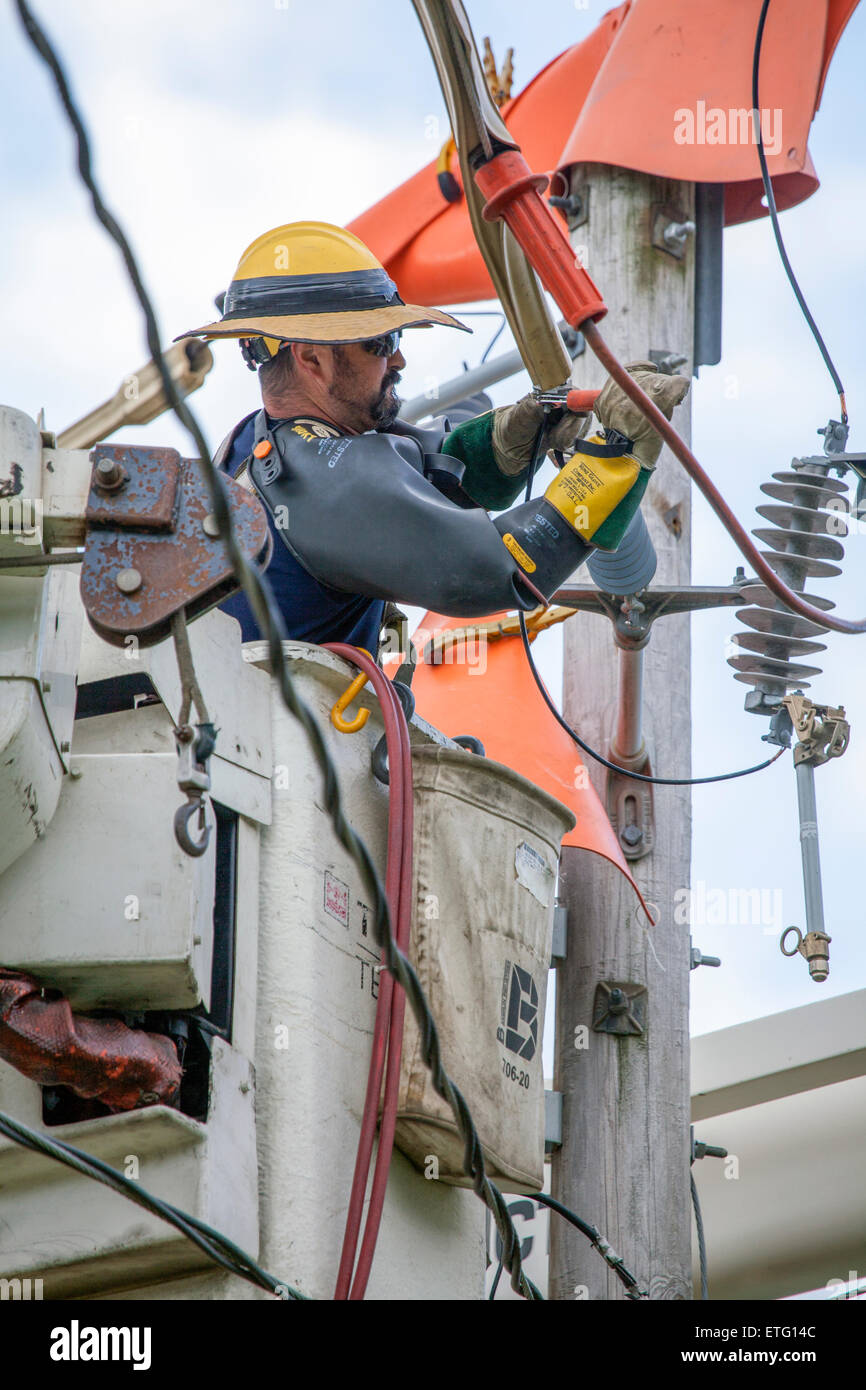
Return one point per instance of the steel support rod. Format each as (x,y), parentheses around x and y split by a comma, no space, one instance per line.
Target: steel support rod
(476,379)
(627,747)
(808,809)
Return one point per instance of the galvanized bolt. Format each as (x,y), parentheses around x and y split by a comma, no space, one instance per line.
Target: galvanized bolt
(46,686)
(676,234)
(65,746)
(75,773)
(632,835)
(128,581)
(109,473)
(210,526)
(572,205)
(697,958)
(618,1002)
(668,363)
(245,1086)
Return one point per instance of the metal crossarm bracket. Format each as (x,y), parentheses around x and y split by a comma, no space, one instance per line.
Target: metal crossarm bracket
(632,620)
(552,1120)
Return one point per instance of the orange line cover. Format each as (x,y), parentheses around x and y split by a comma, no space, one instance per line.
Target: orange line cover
(663,86)
(487,689)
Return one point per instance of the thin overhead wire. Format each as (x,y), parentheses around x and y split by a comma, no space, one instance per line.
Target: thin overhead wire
(770,196)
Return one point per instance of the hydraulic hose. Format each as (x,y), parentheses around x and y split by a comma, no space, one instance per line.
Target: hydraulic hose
(681,450)
(388,1027)
(403,922)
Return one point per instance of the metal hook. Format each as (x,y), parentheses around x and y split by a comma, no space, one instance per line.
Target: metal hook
(193,778)
(182,817)
(379,755)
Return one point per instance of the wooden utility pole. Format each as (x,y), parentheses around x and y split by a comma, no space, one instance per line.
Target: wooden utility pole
(624,1160)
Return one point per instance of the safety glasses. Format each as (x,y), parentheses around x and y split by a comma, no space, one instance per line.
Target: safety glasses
(385,345)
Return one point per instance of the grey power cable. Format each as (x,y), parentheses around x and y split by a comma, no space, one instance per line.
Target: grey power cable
(702,1247)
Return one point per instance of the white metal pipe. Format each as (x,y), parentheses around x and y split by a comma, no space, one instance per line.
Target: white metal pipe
(476,379)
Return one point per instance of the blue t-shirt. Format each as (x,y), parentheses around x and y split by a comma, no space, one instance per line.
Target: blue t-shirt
(312,611)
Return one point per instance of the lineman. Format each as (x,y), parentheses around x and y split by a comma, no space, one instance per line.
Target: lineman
(365,508)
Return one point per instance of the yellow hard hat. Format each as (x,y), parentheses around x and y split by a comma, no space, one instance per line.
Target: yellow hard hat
(315,283)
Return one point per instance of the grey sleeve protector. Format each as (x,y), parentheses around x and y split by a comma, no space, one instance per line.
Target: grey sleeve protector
(357,512)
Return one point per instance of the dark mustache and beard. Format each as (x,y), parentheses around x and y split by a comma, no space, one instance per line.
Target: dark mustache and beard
(381,410)
(385,407)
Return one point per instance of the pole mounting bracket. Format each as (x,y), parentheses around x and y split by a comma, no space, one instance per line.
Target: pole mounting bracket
(619,1008)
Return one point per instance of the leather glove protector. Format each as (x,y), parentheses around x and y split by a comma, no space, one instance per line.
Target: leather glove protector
(515,430)
(615,411)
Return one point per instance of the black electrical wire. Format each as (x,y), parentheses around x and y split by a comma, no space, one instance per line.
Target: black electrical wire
(493,341)
(774,216)
(218,1247)
(702,1246)
(613,767)
(632,1287)
(486,314)
(269,619)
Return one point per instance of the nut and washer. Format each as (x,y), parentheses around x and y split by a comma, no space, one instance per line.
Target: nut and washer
(110,473)
(210,525)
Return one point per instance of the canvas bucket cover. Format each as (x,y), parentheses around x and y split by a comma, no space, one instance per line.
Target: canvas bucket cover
(486,853)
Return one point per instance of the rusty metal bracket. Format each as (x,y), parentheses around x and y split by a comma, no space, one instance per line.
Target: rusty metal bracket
(153,545)
(619,1008)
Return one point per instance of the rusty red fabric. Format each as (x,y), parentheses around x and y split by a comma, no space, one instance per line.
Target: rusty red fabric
(99,1058)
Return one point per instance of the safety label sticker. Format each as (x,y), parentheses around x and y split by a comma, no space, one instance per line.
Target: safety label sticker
(534,872)
(336,898)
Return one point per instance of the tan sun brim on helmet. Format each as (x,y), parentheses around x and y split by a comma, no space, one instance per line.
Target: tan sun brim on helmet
(351,327)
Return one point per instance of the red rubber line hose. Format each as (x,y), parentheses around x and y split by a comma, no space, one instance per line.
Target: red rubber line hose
(403,926)
(682,451)
(388,1027)
(383,1007)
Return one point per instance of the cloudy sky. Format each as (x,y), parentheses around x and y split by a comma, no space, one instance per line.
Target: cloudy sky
(212,122)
